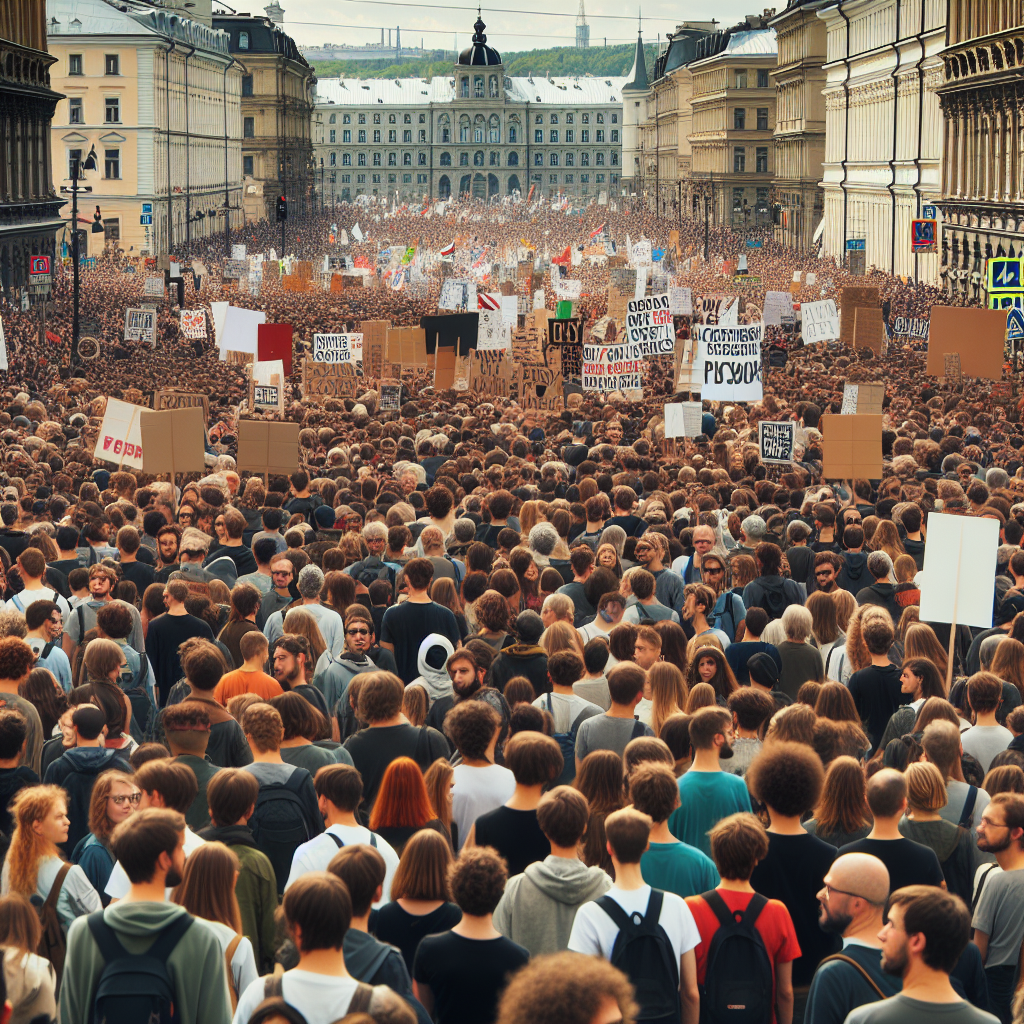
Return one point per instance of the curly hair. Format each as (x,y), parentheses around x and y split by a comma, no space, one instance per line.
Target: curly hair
(27,848)
(477,880)
(16,658)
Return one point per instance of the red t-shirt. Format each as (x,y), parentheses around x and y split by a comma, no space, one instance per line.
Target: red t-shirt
(774,924)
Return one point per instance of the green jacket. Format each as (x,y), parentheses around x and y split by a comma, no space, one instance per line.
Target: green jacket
(198,815)
(196,966)
(256,890)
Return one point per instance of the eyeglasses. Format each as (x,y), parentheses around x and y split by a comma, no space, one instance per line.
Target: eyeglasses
(829,889)
(280,572)
(357,632)
(134,798)
(823,572)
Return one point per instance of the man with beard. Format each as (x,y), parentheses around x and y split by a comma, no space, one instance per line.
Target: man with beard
(851,903)
(998,922)
(922,941)
(707,794)
(827,566)
(467,677)
(167,540)
(151,846)
(651,552)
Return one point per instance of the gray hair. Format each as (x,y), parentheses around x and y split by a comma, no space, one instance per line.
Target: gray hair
(798,530)
(754,528)
(311,582)
(559,605)
(797,622)
(996,478)
(375,531)
(988,649)
(464,530)
(543,538)
(879,565)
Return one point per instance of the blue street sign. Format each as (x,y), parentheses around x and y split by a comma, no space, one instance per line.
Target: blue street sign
(1015,324)
(147,207)
(755,243)
(146,218)
(1004,274)
(856,243)
(929,212)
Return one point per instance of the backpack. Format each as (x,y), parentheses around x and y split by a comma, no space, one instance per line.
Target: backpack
(340,844)
(274,1006)
(774,602)
(135,987)
(279,823)
(725,607)
(371,569)
(644,953)
(53,943)
(739,978)
(143,724)
(567,742)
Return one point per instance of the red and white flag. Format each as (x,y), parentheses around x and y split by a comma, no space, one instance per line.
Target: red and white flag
(448,250)
(488,300)
(594,234)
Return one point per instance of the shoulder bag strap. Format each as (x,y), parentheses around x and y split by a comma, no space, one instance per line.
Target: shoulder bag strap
(361,999)
(654,903)
(58,884)
(80,610)
(754,907)
(843,958)
(968,812)
(615,912)
(719,908)
(229,955)
(337,841)
(981,886)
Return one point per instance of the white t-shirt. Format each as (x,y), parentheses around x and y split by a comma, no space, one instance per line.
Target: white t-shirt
(477,791)
(321,999)
(243,962)
(22,601)
(594,932)
(316,854)
(118,884)
(565,709)
(644,710)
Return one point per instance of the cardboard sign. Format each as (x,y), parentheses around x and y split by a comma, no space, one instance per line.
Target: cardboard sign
(683,419)
(650,330)
(390,397)
(444,368)
(851,447)
(959,566)
(235,269)
(852,299)
(120,436)
(265,447)
(778,309)
(777,439)
(407,346)
(865,399)
(238,252)
(375,339)
(869,329)
(140,325)
(952,370)
(181,400)
(911,327)
(490,373)
(492,332)
(329,380)
(274,341)
(173,441)
(978,335)
(820,321)
(193,324)
(541,388)
(731,361)
(337,348)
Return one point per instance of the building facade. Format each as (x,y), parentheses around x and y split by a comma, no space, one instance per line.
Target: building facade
(479,133)
(799,79)
(29,205)
(158,96)
(277,108)
(733,123)
(982,100)
(635,93)
(883,128)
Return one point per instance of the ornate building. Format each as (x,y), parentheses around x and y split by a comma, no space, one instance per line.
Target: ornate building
(635,93)
(883,128)
(158,97)
(982,98)
(277,104)
(29,206)
(799,122)
(478,132)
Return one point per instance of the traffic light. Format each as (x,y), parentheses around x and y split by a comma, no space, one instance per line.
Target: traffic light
(282,208)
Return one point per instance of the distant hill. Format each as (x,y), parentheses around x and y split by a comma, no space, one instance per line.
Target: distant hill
(560,60)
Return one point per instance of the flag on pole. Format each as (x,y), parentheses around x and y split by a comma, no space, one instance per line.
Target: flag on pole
(564,258)
(449,250)
(598,231)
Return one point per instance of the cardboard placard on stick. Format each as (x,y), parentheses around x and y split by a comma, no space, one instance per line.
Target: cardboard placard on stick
(407,346)
(490,373)
(952,369)
(978,335)
(444,369)
(181,400)
(851,447)
(869,329)
(172,441)
(863,398)
(330,380)
(375,336)
(852,299)
(265,447)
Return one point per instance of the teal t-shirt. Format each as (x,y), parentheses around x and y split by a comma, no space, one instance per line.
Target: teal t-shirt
(705,799)
(678,868)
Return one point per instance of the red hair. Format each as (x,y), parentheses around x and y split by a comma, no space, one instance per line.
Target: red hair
(402,800)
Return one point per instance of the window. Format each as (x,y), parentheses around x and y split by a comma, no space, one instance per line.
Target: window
(346,159)
(362,135)
(247,165)
(346,118)
(392,135)
(478,87)
(464,88)
(391,118)
(362,160)
(741,80)
(446,135)
(333,160)
(553,160)
(360,179)
(423,120)
(346,135)
(407,135)
(553,179)
(407,119)
(539,119)
(599,178)
(615,135)
(585,135)
(739,119)
(249,127)
(599,159)
(334,119)
(346,179)
(584,159)
(463,159)
(407,159)
(423,135)
(513,136)
(615,118)
(494,129)
(600,118)
(554,119)
(111,64)
(762,159)
(513,159)
(762,78)
(478,134)
(737,199)
(362,119)
(112,110)
(75,111)
(739,159)
(569,160)
(247,89)
(376,118)
(464,130)
(243,40)
(376,179)
(376,159)
(538,159)
(392,159)
(492,87)
(585,118)
(112,163)
(75,64)
(376,135)
(538,135)
(406,179)
(569,118)
(446,160)
(568,179)
(614,160)
(762,119)
(478,158)
(333,136)
(553,135)
(584,178)
(422,160)
(599,135)
(570,136)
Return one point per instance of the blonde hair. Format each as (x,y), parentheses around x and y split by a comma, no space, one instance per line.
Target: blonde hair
(207,887)
(561,636)
(668,693)
(27,848)
(926,788)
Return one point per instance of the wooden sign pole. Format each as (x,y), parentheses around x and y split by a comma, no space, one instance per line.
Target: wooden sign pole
(952,625)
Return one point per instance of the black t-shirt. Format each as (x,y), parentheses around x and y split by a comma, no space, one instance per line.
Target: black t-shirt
(166,634)
(909,863)
(244,559)
(466,976)
(65,565)
(139,573)
(515,835)
(876,692)
(398,927)
(406,625)
(12,781)
(793,872)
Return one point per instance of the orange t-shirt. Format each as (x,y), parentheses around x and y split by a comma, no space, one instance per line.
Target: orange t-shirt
(237,682)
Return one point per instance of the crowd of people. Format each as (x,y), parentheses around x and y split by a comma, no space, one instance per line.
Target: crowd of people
(491,715)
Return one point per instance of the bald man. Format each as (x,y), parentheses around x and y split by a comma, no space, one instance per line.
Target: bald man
(851,904)
(688,566)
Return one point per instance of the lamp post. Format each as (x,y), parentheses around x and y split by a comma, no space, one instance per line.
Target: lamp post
(321,184)
(77,166)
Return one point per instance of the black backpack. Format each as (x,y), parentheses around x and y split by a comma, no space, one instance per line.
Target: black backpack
(774,602)
(279,823)
(644,953)
(371,569)
(134,987)
(738,979)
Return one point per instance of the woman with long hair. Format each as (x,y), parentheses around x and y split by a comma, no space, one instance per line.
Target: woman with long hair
(615,536)
(701,695)
(530,515)
(836,702)
(709,666)
(439,779)
(744,571)
(302,623)
(420,897)
(207,891)
(42,690)
(561,636)
(245,603)
(34,864)
(886,538)
(919,678)
(522,564)
(853,655)
(608,557)
(303,725)
(114,798)
(402,806)
(444,592)
(35,996)
(668,693)
(921,642)
(414,705)
(845,603)
(600,780)
(673,644)
(842,815)
(824,623)
(1008,664)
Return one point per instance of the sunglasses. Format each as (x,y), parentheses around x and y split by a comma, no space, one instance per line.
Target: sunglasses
(357,632)
(826,572)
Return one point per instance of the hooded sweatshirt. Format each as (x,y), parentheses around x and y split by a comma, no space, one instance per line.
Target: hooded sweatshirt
(76,770)
(376,963)
(435,681)
(333,674)
(196,966)
(881,594)
(772,593)
(854,574)
(30,984)
(528,660)
(539,906)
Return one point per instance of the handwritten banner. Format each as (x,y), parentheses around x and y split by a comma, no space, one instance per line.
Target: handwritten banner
(337,348)
(777,439)
(649,327)
(731,357)
(193,324)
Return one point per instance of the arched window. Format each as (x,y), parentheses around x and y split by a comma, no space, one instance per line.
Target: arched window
(334,118)
(422,160)
(464,87)
(569,160)
(464,129)
(493,83)
(407,119)
(554,119)
(478,134)
(513,135)
(346,159)
(407,159)
(494,159)
(446,160)
(538,159)
(584,159)
(478,87)
(446,135)
(478,158)
(391,118)
(334,160)
(392,160)
(600,160)
(463,159)
(554,160)
(615,159)
(513,159)
(494,129)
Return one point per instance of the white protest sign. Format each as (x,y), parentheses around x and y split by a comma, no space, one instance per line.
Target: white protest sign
(640,255)
(649,327)
(777,439)
(219,311)
(120,436)
(238,252)
(851,393)
(731,357)
(959,566)
(357,232)
(683,419)
(640,287)
(193,324)
(266,396)
(820,321)
(3,348)
(778,309)
(729,314)
(337,348)
(264,372)
(140,325)
(680,300)
(569,288)
(241,331)
(538,299)
(811,279)
(457,294)
(153,288)
(492,332)
(603,372)
(510,310)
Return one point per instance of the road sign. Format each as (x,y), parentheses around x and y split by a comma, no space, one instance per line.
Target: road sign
(39,270)
(1004,274)
(929,212)
(146,218)
(1015,324)
(755,243)
(1005,300)
(924,236)
(147,207)
(856,243)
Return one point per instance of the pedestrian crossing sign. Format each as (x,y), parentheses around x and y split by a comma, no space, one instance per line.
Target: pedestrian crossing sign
(1015,324)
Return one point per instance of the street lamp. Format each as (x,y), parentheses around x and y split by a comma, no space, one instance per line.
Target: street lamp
(321,184)
(77,166)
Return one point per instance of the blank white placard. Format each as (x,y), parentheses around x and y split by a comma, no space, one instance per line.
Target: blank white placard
(964,597)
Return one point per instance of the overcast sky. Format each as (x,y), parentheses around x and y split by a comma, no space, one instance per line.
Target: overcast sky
(355,22)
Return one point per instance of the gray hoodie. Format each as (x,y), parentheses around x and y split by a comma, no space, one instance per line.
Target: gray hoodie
(435,681)
(539,906)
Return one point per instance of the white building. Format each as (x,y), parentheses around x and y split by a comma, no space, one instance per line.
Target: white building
(883,128)
(477,132)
